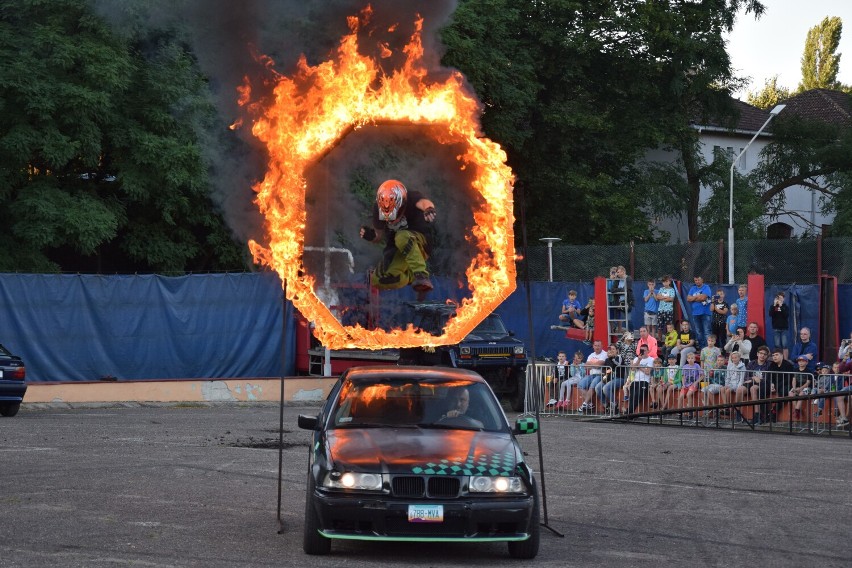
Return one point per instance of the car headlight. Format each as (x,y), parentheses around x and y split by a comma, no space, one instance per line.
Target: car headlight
(519,349)
(496,484)
(464,350)
(353,480)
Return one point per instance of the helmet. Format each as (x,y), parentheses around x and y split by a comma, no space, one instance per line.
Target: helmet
(390,198)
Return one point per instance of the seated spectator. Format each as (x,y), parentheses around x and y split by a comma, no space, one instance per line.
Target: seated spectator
(641,380)
(805,347)
(740,344)
(594,363)
(669,340)
(710,354)
(648,340)
(845,350)
(734,379)
(715,378)
(674,381)
(685,344)
(827,380)
(752,335)
(759,384)
(560,374)
(576,372)
(691,374)
(658,383)
(802,381)
(571,311)
(612,379)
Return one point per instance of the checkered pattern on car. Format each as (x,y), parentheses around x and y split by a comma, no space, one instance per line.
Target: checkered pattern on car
(498,464)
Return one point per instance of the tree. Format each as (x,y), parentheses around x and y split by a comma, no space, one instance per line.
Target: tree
(100,169)
(770,95)
(820,60)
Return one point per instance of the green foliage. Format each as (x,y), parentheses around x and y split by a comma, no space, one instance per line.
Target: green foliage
(768,97)
(714,214)
(100,168)
(820,60)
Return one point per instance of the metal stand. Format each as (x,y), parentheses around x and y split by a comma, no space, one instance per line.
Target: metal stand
(281,404)
(523,208)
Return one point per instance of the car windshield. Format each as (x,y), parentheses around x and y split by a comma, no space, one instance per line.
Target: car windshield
(492,325)
(454,404)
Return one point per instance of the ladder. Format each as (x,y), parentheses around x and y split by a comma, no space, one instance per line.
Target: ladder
(616,309)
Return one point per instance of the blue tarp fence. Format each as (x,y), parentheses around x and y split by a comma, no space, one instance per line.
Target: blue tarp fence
(88,327)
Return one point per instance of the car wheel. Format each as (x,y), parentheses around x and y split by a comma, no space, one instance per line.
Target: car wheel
(312,541)
(516,399)
(10,409)
(528,549)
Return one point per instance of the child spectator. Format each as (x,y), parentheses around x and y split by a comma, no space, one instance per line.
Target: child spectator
(742,306)
(651,308)
(731,326)
(710,354)
(734,380)
(665,304)
(691,374)
(670,340)
(719,310)
(589,312)
(779,316)
(560,375)
(571,311)
(826,381)
(715,379)
(673,380)
(658,382)
(801,385)
(576,372)
(686,342)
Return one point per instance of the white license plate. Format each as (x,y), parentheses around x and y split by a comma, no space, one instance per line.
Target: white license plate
(425,513)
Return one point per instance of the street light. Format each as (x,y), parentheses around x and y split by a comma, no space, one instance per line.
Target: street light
(772,114)
(550,241)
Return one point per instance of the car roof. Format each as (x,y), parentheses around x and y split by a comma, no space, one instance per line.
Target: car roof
(410,372)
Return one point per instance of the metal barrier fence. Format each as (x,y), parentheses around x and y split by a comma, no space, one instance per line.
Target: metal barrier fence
(781,261)
(728,397)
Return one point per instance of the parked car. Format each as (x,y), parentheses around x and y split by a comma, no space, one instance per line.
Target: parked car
(408,453)
(12,385)
(490,349)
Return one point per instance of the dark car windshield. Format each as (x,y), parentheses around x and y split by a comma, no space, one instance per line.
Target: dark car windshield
(492,325)
(458,404)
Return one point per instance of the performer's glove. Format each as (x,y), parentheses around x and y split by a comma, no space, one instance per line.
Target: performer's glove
(368,234)
(429,214)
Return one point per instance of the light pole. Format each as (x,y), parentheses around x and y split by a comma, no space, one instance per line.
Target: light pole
(550,241)
(772,114)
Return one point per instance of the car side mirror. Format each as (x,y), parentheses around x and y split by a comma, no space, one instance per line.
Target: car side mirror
(308,422)
(525,425)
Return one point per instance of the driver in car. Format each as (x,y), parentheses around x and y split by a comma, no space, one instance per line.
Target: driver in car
(459,401)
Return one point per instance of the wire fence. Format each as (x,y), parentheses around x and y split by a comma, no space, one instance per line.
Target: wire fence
(782,261)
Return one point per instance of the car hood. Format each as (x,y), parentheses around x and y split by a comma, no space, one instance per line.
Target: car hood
(490,337)
(423,451)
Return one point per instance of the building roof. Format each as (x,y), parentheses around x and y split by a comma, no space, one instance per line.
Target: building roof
(749,119)
(834,107)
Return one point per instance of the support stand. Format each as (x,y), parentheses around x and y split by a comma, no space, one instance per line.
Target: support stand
(538,398)
(281,404)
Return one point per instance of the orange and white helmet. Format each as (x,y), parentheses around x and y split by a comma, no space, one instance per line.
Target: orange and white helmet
(390,197)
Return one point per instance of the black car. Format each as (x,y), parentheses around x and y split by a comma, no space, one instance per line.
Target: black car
(12,385)
(490,349)
(407,453)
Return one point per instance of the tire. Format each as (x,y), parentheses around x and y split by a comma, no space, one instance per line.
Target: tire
(528,549)
(516,399)
(312,541)
(10,410)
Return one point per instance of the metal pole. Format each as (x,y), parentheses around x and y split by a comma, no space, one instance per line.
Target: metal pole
(549,241)
(772,114)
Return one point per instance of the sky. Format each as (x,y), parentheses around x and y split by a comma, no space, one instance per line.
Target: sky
(773,45)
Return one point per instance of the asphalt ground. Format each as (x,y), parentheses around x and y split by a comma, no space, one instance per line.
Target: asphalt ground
(195,485)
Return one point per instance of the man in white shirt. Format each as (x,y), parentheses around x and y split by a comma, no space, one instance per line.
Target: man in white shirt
(594,363)
(641,379)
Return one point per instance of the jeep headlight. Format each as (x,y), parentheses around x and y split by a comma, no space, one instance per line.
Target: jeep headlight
(519,349)
(353,480)
(495,484)
(465,350)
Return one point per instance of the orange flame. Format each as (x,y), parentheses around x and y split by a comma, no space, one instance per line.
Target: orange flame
(318,106)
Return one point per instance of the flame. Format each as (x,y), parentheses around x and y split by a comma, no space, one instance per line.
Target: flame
(313,110)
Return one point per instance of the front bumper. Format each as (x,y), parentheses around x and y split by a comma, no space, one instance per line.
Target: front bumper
(386,518)
(12,391)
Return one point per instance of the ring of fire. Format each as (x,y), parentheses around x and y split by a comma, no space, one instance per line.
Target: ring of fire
(318,106)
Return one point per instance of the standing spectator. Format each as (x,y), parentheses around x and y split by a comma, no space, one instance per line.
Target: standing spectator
(806,348)
(594,362)
(700,298)
(715,379)
(625,283)
(646,339)
(626,348)
(658,382)
(641,380)
(685,342)
(731,322)
(589,313)
(612,379)
(742,306)
(757,341)
(691,374)
(739,343)
(802,381)
(779,372)
(571,309)
(720,310)
(759,384)
(674,380)
(779,316)
(651,308)
(665,303)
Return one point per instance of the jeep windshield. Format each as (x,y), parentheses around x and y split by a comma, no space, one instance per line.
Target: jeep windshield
(492,327)
(455,404)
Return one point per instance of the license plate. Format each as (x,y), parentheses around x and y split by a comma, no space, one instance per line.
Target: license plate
(425,513)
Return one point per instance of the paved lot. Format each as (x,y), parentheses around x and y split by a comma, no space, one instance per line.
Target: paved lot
(191,485)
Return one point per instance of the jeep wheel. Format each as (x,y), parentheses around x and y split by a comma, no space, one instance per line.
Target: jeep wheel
(516,398)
